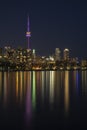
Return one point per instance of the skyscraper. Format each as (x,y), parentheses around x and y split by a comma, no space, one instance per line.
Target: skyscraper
(66,54)
(57,54)
(28,34)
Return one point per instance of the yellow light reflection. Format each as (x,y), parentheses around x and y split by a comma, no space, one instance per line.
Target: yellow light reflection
(66,93)
(84,83)
(25,82)
(43,78)
(17,82)
(5,87)
(38,82)
(47,81)
(0,84)
(52,77)
(58,84)
(28,98)
(21,85)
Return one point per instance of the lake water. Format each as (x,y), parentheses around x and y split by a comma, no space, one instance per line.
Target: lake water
(43,100)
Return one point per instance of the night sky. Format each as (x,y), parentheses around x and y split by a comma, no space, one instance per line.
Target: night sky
(53,25)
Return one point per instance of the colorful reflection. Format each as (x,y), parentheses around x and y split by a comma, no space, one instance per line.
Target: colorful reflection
(66,91)
(50,87)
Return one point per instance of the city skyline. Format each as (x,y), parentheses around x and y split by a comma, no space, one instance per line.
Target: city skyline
(53,25)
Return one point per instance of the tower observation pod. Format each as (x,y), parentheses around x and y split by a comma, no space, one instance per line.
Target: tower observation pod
(28,34)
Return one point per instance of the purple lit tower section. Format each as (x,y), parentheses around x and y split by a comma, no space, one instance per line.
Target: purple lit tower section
(28,33)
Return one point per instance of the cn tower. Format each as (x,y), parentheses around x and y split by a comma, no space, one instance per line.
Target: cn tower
(28,33)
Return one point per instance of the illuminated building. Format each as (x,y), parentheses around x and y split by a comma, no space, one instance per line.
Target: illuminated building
(28,33)
(57,54)
(84,63)
(0,52)
(66,54)
(34,53)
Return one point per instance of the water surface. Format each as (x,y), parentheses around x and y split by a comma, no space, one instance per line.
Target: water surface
(43,100)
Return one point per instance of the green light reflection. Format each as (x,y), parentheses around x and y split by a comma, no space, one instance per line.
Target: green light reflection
(34,90)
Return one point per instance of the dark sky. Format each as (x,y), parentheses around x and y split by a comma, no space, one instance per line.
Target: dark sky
(53,24)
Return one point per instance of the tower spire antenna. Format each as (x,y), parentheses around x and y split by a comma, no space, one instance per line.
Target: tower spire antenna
(28,33)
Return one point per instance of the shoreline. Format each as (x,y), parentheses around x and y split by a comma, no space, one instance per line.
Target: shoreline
(14,70)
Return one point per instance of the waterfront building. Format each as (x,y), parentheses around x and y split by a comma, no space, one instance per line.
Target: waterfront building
(66,54)
(57,54)
(34,54)
(0,52)
(84,63)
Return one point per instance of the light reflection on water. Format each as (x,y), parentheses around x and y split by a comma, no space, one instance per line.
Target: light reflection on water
(44,83)
(31,90)
(84,83)
(34,90)
(0,85)
(28,107)
(51,87)
(5,88)
(66,91)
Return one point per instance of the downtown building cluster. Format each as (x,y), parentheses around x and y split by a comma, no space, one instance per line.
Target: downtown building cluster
(27,59)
